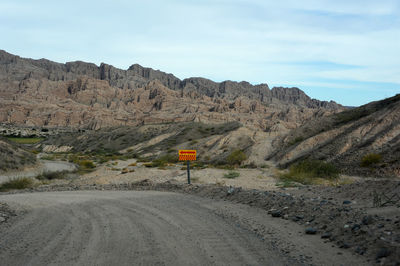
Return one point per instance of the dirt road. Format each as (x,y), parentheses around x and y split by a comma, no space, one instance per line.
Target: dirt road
(152,228)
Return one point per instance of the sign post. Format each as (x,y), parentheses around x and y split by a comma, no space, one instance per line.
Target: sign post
(187,155)
(188,171)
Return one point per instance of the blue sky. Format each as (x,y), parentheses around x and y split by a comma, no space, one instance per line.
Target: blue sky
(346,51)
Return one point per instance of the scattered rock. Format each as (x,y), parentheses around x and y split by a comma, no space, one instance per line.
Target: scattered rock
(366,220)
(345,202)
(310,231)
(382,253)
(231,190)
(355,227)
(276,213)
(326,235)
(344,245)
(360,250)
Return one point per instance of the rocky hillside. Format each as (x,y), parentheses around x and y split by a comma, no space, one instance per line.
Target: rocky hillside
(13,157)
(83,95)
(362,141)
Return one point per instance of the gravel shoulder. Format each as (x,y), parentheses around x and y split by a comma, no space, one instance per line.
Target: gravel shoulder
(156,228)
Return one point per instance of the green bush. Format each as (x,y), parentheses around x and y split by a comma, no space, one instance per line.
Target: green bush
(236,157)
(232,175)
(370,159)
(307,171)
(17,183)
(296,140)
(87,164)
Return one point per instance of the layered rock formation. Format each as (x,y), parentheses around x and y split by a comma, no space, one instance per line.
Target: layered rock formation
(83,95)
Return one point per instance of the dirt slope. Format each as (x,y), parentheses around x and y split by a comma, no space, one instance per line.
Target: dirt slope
(345,138)
(13,157)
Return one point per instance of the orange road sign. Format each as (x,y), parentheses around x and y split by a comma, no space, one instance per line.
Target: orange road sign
(187,155)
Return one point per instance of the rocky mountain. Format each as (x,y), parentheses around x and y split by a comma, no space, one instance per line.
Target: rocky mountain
(84,95)
(348,139)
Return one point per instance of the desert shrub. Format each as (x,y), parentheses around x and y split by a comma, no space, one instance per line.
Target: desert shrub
(35,151)
(48,157)
(164,160)
(52,175)
(251,165)
(370,159)
(222,165)
(87,164)
(308,171)
(236,157)
(143,159)
(295,141)
(17,183)
(198,165)
(231,175)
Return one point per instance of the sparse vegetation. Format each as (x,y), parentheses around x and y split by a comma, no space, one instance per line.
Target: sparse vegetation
(163,161)
(86,164)
(251,165)
(286,183)
(310,172)
(295,141)
(370,159)
(25,140)
(49,157)
(231,175)
(351,115)
(17,183)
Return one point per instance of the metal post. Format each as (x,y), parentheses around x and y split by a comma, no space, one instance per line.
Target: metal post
(188,171)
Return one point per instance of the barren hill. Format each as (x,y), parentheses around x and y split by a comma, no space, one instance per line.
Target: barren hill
(346,139)
(83,95)
(13,157)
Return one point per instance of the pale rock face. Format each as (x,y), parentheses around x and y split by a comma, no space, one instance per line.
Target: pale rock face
(83,95)
(53,148)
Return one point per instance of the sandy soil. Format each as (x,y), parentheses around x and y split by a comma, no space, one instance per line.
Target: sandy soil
(112,173)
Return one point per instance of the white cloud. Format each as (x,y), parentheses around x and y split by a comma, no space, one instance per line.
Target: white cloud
(254,40)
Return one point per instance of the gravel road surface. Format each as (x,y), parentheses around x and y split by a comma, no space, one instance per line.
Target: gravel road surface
(152,228)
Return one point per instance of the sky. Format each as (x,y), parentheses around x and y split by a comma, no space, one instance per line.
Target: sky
(342,50)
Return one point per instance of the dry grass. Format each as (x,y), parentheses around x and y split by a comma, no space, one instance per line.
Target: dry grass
(311,172)
(17,183)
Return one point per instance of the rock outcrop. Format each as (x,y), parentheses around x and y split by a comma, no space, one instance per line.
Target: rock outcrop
(82,95)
